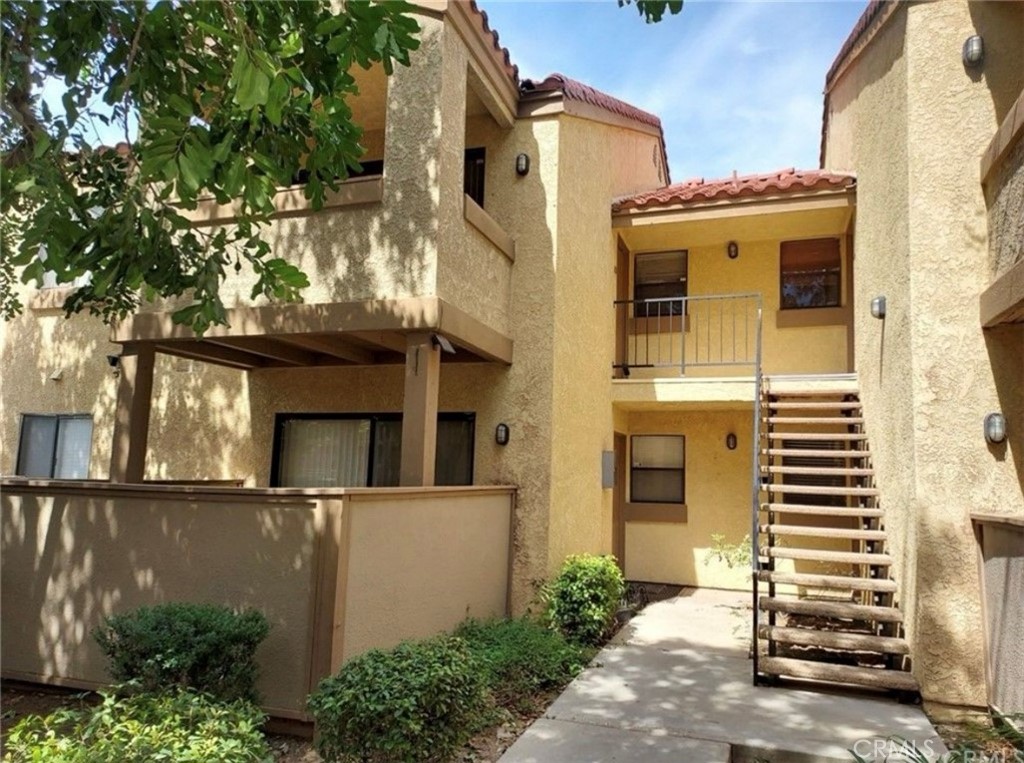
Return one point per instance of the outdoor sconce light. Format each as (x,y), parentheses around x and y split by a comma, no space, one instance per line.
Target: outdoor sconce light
(730,441)
(501,434)
(974,51)
(733,250)
(523,165)
(878,307)
(995,428)
(442,341)
(113,361)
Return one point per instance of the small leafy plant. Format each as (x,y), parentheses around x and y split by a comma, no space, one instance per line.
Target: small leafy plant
(205,647)
(519,658)
(179,726)
(417,702)
(584,597)
(733,554)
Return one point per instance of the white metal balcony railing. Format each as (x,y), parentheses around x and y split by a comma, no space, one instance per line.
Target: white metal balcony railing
(688,332)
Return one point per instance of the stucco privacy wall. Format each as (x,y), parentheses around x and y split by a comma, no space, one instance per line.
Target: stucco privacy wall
(69,560)
(335,574)
(41,342)
(596,163)
(419,564)
(928,373)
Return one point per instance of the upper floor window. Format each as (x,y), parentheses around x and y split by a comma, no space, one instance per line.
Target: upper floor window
(55,447)
(473,182)
(364,450)
(810,273)
(658,469)
(661,277)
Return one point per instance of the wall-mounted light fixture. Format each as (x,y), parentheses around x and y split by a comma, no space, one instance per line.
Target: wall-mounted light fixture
(878,307)
(113,360)
(502,433)
(733,250)
(57,374)
(730,441)
(523,165)
(995,428)
(974,51)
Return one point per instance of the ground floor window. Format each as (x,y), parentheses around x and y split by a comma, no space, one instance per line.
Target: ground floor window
(658,469)
(817,462)
(55,446)
(363,450)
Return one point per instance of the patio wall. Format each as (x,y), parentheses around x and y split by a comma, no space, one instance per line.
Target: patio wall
(335,572)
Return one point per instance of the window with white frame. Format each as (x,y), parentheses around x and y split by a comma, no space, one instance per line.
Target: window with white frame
(55,446)
(364,450)
(657,469)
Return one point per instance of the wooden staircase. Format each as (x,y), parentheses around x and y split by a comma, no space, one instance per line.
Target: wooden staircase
(826,597)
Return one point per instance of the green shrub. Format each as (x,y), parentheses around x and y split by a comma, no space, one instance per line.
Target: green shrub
(584,597)
(519,658)
(417,702)
(179,726)
(204,647)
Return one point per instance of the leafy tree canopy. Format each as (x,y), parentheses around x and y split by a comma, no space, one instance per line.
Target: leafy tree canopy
(227,99)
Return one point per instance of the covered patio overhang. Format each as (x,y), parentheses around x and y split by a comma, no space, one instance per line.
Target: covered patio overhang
(416,331)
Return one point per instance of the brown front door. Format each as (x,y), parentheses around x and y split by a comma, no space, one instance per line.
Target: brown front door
(619,502)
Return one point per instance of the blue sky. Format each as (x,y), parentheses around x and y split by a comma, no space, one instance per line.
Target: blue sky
(738,85)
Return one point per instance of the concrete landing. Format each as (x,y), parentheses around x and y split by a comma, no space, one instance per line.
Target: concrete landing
(676,685)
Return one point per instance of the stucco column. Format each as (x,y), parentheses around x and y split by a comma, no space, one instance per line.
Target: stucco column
(131,419)
(419,410)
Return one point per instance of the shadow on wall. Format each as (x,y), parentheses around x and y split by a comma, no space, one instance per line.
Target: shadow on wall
(70,561)
(1005,345)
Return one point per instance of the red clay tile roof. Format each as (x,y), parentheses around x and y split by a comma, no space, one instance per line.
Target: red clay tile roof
(577,91)
(698,190)
(510,68)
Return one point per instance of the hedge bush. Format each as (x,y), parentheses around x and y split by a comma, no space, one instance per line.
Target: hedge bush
(583,599)
(417,702)
(204,647)
(179,726)
(519,658)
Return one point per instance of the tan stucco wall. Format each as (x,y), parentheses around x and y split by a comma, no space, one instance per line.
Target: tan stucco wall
(39,343)
(913,125)
(70,561)
(718,501)
(597,162)
(419,565)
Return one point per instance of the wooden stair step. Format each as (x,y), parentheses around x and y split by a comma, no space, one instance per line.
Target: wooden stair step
(855,642)
(840,405)
(824,532)
(837,436)
(843,582)
(846,674)
(775,420)
(824,511)
(810,453)
(810,391)
(820,490)
(824,471)
(826,555)
(838,609)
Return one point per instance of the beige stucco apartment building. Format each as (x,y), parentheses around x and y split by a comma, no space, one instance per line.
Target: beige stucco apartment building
(523,341)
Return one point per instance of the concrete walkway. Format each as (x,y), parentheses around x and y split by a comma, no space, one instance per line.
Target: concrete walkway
(675,685)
